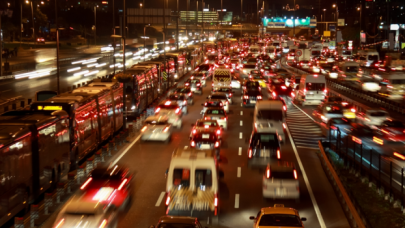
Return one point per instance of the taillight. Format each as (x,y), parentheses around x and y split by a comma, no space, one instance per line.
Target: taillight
(283,87)
(192,143)
(259,97)
(274,94)
(189,94)
(246,97)
(218,132)
(285,108)
(194,131)
(86,183)
(325,90)
(157,110)
(207,118)
(230,94)
(198,84)
(216,201)
(216,144)
(220,104)
(122,183)
(305,90)
(295,174)
(353,109)
(177,110)
(223,118)
(284,126)
(250,153)
(165,129)
(187,84)
(268,173)
(167,200)
(185,102)
(144,128)
(278,154)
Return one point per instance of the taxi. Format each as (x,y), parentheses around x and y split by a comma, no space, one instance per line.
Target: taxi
(256,76)
(208,125)
(277,216)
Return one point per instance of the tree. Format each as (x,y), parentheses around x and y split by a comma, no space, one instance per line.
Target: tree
(9,29)
(41,20)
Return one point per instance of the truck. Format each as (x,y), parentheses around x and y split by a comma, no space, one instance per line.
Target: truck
(222,78)
(192,187)
(306,54)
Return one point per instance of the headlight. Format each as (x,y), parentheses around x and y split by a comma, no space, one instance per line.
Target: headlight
(175,75)
(133,107)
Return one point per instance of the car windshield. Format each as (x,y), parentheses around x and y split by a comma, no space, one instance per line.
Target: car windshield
(215,112)
(249,66)
(339,121)
(194,81)
(176,97)
(204,68)
(373,57)
(252,60)
(154,122)
(181,177)
(278,220)
(315,86)
(182,90)
(346,52)
(219,97)
(170,106)
(207,123)
(334,99)
(222,90)
(203,178)
(333,109)
(282,174)
(176,225)
(378,113)
(268,114)
(212,103)
(352,69)
(265,138)
(316,52)
(212,57)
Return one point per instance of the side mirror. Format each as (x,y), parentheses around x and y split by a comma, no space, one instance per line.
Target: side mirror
(221,174)
(253,218)
(303,219)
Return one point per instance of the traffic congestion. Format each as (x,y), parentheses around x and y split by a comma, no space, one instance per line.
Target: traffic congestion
(232,145)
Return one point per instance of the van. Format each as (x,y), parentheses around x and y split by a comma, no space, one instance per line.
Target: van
(392,84)
(270,50)
(367,57)
(315,52)
(270,113)
(345,53)
(349,71)
(254,50)
(311,90)
(222,78)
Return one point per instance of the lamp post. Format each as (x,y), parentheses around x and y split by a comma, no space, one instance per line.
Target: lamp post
(360,9)
(294,20)
(337,20)
(324,18)
(95,25)
(144,40)
(33,23)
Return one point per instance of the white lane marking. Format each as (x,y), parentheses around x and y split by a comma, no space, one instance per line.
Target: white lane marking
(236,200)
(304,175)
(241,113)
(240,135)
(159,201)
(240,151)
(125,151)
(241,123)
(241,105)
(239,172)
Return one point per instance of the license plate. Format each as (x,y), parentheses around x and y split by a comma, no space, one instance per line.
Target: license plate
(214,118)
(265,153)
(252,102)
(205,146)
(192,89)
(281,191)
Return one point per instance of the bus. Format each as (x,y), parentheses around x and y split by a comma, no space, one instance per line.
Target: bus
(34,156)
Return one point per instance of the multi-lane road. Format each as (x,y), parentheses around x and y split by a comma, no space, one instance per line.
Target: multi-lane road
(241,188)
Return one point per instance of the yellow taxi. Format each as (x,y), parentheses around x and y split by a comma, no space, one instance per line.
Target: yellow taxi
(257,76)
(277,216)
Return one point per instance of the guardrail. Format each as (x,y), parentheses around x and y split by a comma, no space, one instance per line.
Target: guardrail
(350,210)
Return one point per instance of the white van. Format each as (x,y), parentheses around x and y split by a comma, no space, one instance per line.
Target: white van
(315,52)
(222,78)
(367,57)
(345,53)
(392,84)
(255,50)
(312,90)
(270,113)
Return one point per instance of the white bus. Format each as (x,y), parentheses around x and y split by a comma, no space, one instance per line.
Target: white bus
(312,90)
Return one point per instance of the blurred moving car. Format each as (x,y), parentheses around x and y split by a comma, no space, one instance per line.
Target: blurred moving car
(217,114)
(194,85)
(204,139)
(280,181)
(186,91)
(264,147)
(372,117)
(227,91)
(171,110)
(177,221)
(277,216)
(181,100)
(210,125)
(222,97)
(156,128)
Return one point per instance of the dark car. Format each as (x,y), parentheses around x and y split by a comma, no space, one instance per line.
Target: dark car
(250,97)
(206,139)
(186,91)
(181,100)
(277,87)
(263,147)
(251,85)
(195,85)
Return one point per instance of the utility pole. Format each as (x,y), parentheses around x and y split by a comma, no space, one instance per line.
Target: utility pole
(57,46)
(95,25)
(202,12)
(241,10)
(1,51)
(177,25)
(21,25)
(124,32)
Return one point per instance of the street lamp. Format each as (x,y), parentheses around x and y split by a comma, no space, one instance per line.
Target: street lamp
(144,40)
(337,20)
(360,9)
(33,23)
(324,18)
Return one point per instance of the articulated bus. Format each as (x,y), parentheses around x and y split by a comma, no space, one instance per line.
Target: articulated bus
(34,156)
(179,63)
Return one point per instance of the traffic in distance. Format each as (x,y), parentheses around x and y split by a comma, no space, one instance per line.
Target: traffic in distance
(250,106)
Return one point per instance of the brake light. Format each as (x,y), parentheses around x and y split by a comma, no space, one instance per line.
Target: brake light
(198,84)
(268,173)
(223,118)
(295,174)
(167,200)
(220,104)
(283,87)
(230,94)
(250,153)
(399,155)
(185,102)
(357,140)
(353,110)
(177,110)
(218,132)
(60,223)
(86,183)
(292,94)
(165,129)
(206,126)
(278,154)
(285,108)
(207,118)
(123,183)
(227,102)
(246,97)
(189,94)
(144,128)
(216,201)
(305,91)
(259,97)
(274,94)
(216,144)
(284,126)
(157,110)
(192,143)
(378,140)
(325,90)
(187,84)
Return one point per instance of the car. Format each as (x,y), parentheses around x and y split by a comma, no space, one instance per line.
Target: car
(326,111)
(304,64)
(255,75)
(171,110)
(277,87)
(367,84)
(94,214)
(235,64)
(227,91)
(267,71)
(269,115)
(372,117)
(251,85)
(181,100)
(222,97)
(264,147)
(246,68)
(177,221)
(205,68)
(333,124)
(217,114)
(251,97)
(194,85)
(277,216)
(200,76)
(211,125)
(108,185)
(280,181)
(204,139)
(186,91)
(211,103)
(156,128)
(236,82)
(40,40)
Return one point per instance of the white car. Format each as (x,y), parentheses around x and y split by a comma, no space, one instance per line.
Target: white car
(172,111)
(280,181)
(368,84)
(373,117)
(223,98)
(156,128)
(90,214)
(217,114)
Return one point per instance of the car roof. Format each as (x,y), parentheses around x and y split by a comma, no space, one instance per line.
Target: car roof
(266,104)
(157,118)
(279,209)
(218,94)
(178,219)
(83,206)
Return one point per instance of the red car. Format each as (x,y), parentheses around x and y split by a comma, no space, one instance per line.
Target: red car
(109,185)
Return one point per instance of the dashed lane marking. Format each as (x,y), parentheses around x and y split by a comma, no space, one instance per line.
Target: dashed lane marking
(240,151)
(239,172)
(236,200)
(159,201)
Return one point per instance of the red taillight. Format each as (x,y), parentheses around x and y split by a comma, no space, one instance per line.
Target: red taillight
(190,93)
(60,223)
(194,131)
(259,97)
(305,90)
(86,183)
(198,84)
(353,109)
(283,87)
(177,110)
(218,132)
(144,128)
(295,174)
(274,94)
(278,154)
(192,143)
(325,90)
(285,108)
(165,129)
(284,126)
(220,104)
(268,173)
(187,84)
(216,201)
(246,97)
(167,200)
(250,153)
(223,118)
(216,144)
(122,183)
(185,102)
(230,94)
(157,110)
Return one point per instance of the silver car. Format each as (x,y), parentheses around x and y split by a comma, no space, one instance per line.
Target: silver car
(172,111)
(156,128)
(211,103)
(202,76)
(281,181)
(223,98)
(181,100)
(217,114)
(227,91)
